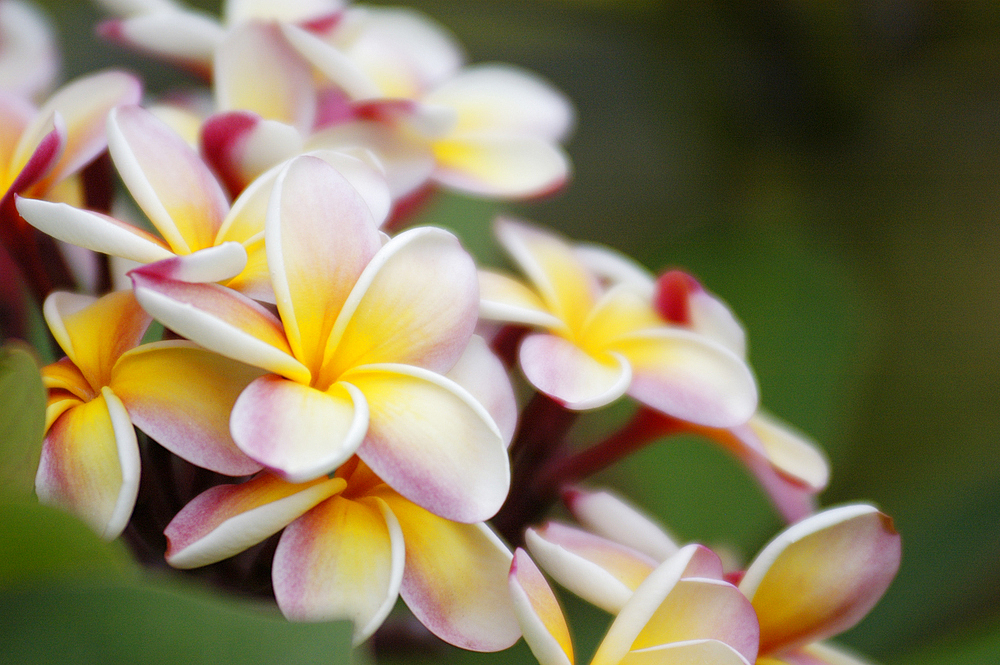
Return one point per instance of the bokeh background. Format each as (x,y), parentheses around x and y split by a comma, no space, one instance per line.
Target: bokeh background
(832,170)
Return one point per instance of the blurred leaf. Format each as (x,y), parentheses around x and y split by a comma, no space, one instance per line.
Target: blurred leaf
(22,422)
(123,623)
(977,648)
(39,543)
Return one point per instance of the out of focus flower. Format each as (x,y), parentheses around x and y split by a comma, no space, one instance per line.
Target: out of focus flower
(29,59)
(818,578)
(358,357)
(351,546)
(183,200)
(671,618)
(599,343)
(107,382)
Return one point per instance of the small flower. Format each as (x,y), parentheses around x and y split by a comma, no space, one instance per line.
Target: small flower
(351,546)
(357,359)
(671,618)
(174,391)
(599,343)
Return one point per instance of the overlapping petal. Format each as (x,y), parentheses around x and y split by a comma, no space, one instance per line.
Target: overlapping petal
(562,370)
(341,560)
(538,612)
(500,165)
(226,519)
(481,372)
(432,442)
(608,515)
(455,579)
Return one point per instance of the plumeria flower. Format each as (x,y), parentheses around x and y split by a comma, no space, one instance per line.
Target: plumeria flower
(789,466)
(175,392)
(818,578)
(597,344)
(357,359)
(670,619)
(351,546)
(184,202)
(29,59)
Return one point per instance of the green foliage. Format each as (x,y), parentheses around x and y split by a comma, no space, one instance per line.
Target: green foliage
(22,422)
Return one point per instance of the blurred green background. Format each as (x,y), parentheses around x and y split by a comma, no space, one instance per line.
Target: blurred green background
(832,170)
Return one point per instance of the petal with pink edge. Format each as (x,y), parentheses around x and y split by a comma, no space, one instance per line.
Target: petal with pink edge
(503,298)
(341,560)
(432,442)
(455,580)
(698,609)
(238,11)
(183,37)
(258,70)
(503,165)
(319,238)
(90,464)
(94,333)
(538,612)
(688,376)
(332,63)
(601,572)
(297,431)
(84,105)
(219,319)
(694,652)
(168,180)
(416,303)
(240,145)
(182,395)
(568,374)
(822,575)
(484,98)
(481,372)
(610,516)
(93,230)
(16,112)
(227,519)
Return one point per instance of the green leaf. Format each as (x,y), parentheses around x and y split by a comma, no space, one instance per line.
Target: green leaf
(22,422)
(157,623)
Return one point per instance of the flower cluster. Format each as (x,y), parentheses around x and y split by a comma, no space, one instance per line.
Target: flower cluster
(333,393)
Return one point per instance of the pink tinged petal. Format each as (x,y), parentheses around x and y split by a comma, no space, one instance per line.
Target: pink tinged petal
(636,613)
(94,333)
(16,113)
(481,372)
(212,264)
(613,267)
(90,464)
(455,581)
(416,303)
(608,515)
(238,11)
(341,560)
(168,180)
(227,519)
(502,298)
(791,452)
(682,300)
(601,572)
(182,395)
(820,576)
(568,374)
(183,37)
(26,171)
(365,173)
(547,259)
(240,145)
(84,104)
(703,609)
(331,63)
(688,376)
(538,613)
(693,652)
(297,431)
(93,230)
(29,60)
(504,98)
(319,237)
(402,50)
(258,70)
(219,319)
(432,442)
(500,165)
